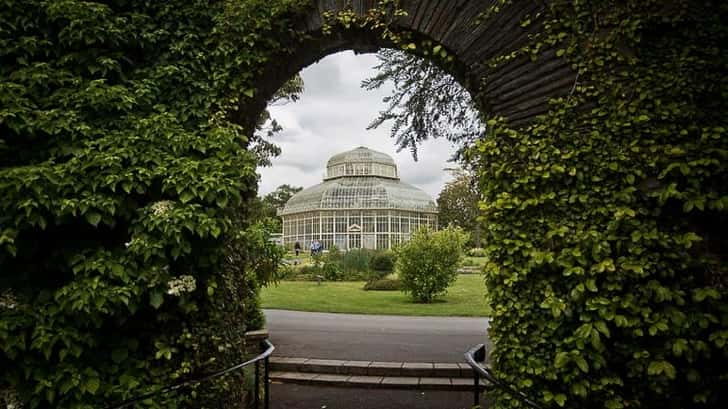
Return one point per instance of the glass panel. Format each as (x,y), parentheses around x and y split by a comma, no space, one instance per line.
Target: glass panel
(382,241)
(368,222)
(382,224)
(370,241)
(405,225)
(340,241)
(341,224)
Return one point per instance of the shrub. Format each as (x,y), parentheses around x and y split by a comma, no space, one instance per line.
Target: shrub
(332,271)
(427,263)
(309,270)
(286,272)
(384,284)
(382,261)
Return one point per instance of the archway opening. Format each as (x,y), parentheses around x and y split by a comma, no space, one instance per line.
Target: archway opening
(351,189)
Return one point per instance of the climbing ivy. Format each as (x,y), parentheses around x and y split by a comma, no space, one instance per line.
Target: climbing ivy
(606,217)
(119,167)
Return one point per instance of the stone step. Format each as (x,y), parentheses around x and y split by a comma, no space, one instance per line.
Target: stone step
(371,381)
(371,368)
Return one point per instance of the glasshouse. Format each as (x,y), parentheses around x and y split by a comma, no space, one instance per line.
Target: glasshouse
(360,204)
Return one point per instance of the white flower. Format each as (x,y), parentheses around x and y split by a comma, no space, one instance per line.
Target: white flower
(181,284)
(8,300)
(162,207)
(9,397)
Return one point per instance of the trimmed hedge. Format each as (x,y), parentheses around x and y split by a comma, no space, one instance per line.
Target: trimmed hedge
(383,284)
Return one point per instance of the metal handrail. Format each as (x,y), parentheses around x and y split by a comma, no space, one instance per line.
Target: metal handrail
(473,357)
(179,385)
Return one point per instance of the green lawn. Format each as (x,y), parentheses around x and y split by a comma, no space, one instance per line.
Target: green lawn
(465,298)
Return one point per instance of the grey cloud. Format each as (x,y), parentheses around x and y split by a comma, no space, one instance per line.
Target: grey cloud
(332,117)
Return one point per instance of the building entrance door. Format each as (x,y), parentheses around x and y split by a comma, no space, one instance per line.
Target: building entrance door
(354,241)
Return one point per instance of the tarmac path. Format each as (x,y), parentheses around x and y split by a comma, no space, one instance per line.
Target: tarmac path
(373,337)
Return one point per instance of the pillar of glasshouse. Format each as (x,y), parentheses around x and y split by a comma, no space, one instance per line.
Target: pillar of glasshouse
(361,203)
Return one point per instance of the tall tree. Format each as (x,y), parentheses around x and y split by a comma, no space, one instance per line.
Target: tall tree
(426,102)
(270,203)
(280,196)
(458,203)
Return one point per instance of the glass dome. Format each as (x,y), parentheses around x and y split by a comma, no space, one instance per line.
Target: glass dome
(361,162)
(360,204)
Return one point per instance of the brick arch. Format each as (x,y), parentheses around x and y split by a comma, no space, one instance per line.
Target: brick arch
(518,89)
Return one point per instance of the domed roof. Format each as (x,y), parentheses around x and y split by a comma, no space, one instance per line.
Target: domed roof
(360,179)
(361,161)
(360,193)
(360,154)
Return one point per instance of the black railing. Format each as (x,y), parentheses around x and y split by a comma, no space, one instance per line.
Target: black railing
(475,357)
(263,357)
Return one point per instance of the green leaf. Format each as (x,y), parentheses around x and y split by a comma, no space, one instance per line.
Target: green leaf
(562,358)
(591,285)
(601,326)
(92,385)
(661,367)
(156,298)
(186,196)
(93,218)
(581,363)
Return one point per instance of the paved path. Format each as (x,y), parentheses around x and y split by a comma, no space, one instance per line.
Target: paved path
(373,337)
(313,397)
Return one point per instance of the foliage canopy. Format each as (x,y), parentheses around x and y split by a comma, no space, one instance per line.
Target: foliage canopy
(426,101)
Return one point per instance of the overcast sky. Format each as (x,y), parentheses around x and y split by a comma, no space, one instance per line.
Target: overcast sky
(331,117)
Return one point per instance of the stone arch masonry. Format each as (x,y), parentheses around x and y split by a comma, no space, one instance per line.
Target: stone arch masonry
(518,89)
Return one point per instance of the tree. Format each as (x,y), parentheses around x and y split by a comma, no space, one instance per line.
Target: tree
(427,263)
(458,204)
(281,195)
(270,203)
(426,102)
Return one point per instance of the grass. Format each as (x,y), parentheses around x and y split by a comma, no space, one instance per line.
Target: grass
(465,298)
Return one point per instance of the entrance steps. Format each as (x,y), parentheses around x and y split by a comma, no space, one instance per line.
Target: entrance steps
(372,374)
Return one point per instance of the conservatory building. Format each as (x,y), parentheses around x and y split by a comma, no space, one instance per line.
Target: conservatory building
(360,204)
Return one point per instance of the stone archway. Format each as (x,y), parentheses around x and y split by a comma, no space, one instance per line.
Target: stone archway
(518,89)
(119,164)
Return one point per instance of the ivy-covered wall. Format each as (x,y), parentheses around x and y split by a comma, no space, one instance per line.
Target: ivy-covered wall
(123,261)
(607,217)
(118,169)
